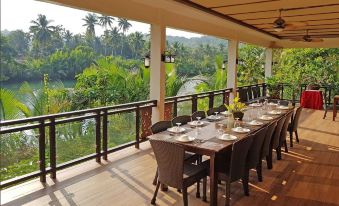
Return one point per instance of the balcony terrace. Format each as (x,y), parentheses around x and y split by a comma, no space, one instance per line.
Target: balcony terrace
(307,175)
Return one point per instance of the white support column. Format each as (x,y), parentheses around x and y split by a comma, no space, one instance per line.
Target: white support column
(232,66)
(157,73)
(268,62)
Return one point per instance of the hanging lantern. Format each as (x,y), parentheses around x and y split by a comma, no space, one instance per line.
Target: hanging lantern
(147,61)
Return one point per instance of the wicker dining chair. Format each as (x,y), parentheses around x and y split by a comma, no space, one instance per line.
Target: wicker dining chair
(201,114)
(222,108)
(282,141)
(232,167)
(249,94)
(254,153)
(293,127)
(256,91)
(162,126)
(275,144)
(212,111)
(266,146)
(184,119)
(174,171)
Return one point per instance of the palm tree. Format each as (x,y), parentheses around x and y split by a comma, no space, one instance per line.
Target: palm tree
(105,21)
(42,31)
(115,38)
(124,26)
(137,42)
(90,21)
(10,106)
(68,36)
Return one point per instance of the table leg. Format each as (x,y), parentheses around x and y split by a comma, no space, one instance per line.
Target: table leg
(213,182)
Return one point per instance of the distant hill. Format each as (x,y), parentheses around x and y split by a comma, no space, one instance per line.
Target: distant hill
(196,41)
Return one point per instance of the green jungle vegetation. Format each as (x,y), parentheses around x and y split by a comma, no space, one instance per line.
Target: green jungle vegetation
(108,70)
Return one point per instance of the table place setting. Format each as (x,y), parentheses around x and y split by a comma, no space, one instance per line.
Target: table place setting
(265,117)
(226,113)
(255,123)
(215,117)
(176,129)
(227,137)
(274,112)
(272,104)
(185,138)
(196,123)
(283,107)
(240,130)
(255,104)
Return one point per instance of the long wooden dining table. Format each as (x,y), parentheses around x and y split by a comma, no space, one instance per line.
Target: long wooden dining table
(207,143)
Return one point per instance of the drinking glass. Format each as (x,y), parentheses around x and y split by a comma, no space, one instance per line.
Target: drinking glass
(237,123)
(198,122)
(178,126)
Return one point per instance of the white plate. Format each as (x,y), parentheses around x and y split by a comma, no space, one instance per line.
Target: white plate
(213,117)
(282,107)
(227,137)
(185,138)
(255,123)
(255,105)
(272,104)
(196,123)
(274,112)
(175,129)
(265,117)
(240,130)
(226,113)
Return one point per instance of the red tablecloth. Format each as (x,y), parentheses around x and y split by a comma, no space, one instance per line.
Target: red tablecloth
(312,99)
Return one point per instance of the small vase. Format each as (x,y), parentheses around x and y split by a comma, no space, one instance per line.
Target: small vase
(239,115)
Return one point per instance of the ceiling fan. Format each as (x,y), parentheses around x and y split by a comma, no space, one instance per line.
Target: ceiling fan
(280,24)
(307,38)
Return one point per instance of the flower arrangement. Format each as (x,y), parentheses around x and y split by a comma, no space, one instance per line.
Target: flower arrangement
(237,108)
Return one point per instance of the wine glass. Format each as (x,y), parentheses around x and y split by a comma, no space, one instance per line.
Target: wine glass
(198,118)
(178,126)
(220,130)
(237,123)
(216,114)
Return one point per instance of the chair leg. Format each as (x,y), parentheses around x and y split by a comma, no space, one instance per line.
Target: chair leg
(155,178)
(325,114)
(259,171)
(155,194)
(245,182)
(197,195)
(269,159)
(184,196)
(278,150)
(296,135)
(204,189)
(291,138)
(285,143)
(228,192)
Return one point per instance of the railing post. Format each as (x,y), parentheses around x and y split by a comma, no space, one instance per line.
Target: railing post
(211,100)
(282,91)
(98,137)
(264,89)
(194,103)
(104,134)
(137,127)
(52,148)
(175,108)
(42,147)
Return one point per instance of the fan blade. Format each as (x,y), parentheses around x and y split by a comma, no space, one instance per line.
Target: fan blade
(316,40)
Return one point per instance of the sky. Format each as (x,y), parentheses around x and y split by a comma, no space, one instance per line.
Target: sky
(17,14)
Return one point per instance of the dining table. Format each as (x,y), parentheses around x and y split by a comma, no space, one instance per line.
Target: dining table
(206,141)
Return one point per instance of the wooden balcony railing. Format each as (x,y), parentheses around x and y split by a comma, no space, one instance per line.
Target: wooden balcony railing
(45,123)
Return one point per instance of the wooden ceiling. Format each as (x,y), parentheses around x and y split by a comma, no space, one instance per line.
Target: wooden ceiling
(321,17)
